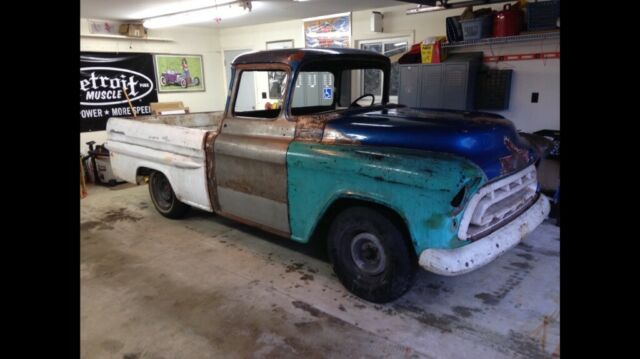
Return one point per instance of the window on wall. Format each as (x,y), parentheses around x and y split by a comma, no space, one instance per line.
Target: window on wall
(372,79)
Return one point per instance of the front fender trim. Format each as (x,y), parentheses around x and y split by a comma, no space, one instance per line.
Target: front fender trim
(452,262)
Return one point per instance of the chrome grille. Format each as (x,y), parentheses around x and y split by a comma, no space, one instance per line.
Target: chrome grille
(497,203)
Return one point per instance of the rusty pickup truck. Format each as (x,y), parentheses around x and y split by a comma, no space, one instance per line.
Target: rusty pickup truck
(388,189)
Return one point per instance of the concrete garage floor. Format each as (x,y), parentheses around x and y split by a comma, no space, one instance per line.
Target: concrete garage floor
(206,287)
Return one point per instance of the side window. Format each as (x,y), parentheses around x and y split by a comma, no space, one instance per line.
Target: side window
(254,88)
(313,92)
(372,82)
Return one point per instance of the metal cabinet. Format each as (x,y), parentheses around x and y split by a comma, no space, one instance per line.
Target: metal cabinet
(308,89)
(409,90)
(447,85)
(430,86)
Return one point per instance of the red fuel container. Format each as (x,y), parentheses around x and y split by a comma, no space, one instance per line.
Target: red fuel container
(508,22)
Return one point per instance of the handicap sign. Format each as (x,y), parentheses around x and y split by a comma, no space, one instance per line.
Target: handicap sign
(327,93)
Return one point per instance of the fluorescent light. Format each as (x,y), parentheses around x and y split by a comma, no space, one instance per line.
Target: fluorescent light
(176,7)
(220,12)
(421,9)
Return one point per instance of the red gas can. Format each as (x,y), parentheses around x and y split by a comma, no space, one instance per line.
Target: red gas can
(508,22)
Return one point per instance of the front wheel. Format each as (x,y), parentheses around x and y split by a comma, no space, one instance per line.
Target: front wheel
(370,255)
(196,81)
(163,197)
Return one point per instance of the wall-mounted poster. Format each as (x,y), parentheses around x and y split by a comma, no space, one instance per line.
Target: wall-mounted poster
(328,31)
(179,73)
(277,78)
(107,79)
(105,27)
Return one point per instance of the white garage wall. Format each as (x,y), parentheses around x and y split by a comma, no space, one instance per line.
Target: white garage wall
(187,40)
(542,76)
(529,76)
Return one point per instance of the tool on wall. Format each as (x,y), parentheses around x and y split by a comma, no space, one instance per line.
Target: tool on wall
(129,101)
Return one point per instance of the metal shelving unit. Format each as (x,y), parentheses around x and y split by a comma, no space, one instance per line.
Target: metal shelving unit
(121,37)
(548,35)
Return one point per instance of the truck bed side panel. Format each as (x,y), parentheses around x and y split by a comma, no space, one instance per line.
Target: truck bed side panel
(177,152)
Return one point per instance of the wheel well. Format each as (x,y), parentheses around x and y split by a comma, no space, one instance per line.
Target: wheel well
(143,172)
(321,231)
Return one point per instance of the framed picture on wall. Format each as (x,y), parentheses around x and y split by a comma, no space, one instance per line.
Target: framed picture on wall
(333,31)
(276,79)
(179,73)
(280,44)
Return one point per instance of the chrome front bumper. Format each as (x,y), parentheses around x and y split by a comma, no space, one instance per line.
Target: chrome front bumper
(451,262)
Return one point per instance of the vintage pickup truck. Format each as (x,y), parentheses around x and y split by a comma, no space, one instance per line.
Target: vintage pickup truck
(387,188)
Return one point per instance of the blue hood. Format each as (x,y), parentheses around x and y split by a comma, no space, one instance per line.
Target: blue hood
(488,140)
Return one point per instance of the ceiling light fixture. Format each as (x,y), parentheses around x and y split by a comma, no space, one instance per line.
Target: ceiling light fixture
(216,13)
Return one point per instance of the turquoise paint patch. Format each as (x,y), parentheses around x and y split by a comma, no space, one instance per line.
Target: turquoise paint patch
(418,185)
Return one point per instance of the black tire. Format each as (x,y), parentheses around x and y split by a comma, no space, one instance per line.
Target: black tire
(370,255)
(163,197)
(163,81)
(196,81)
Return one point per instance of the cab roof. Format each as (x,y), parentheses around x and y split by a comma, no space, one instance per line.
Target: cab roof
(307,55)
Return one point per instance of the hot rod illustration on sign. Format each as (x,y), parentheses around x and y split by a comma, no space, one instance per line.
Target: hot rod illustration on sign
(179,73)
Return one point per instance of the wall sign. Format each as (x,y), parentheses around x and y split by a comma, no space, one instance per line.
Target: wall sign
(328,31)
(106,79)
(105,27)
(179,73)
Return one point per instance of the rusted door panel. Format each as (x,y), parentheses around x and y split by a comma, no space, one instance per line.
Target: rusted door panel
(250,164)
(251,172)
(253,165)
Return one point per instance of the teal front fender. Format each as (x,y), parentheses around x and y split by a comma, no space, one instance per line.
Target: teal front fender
(418,185)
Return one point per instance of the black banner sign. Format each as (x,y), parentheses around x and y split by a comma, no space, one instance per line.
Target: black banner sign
(107,79)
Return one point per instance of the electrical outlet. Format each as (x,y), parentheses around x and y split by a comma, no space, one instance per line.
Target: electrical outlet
(264,95)
(534,97)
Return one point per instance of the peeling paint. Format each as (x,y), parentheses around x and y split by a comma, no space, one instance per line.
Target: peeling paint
(319,174)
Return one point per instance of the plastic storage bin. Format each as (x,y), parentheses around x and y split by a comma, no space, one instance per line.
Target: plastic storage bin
(477,28)
(543,15)
(454,29)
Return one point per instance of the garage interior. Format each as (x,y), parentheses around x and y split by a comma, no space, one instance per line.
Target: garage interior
(206,286)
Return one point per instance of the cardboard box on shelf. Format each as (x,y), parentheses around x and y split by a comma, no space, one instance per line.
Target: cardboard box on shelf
(168,108)
(133,30)
(137,30)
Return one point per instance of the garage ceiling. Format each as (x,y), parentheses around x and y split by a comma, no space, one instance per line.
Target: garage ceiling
(263,11)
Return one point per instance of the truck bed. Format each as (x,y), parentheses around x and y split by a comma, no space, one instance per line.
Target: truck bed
(172,144)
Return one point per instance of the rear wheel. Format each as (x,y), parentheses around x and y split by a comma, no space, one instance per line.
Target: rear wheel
(370,255)
(163,197)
